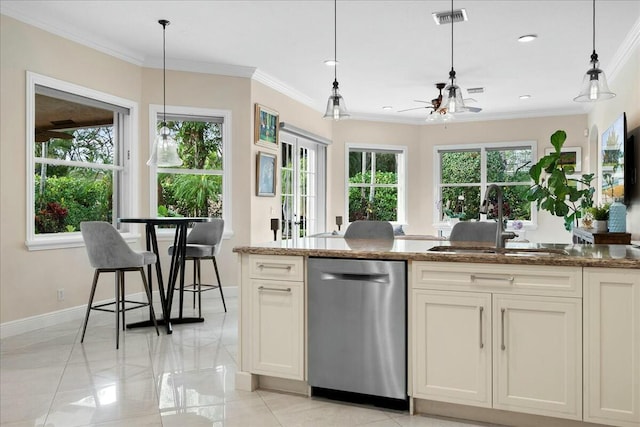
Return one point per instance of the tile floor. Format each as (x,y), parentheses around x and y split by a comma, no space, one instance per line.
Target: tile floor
(181,380)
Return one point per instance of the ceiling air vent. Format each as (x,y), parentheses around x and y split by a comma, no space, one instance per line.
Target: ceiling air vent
(66,122)
(475,90)
(442,18)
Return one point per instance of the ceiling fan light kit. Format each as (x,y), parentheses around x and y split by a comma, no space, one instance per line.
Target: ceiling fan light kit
(594,84)
(165,148)
(336,108)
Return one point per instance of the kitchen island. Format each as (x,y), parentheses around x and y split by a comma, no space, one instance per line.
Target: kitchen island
(532,335)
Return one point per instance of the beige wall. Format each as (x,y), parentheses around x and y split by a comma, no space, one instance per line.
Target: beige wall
(626,86)
(292,113)
(420,141)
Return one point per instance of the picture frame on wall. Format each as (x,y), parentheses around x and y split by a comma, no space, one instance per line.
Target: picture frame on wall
(266,167)
(569,156)
(266,127)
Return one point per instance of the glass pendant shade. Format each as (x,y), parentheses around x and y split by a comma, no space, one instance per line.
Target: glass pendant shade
(594,85)
(165,150)
(454,102)
(336,108)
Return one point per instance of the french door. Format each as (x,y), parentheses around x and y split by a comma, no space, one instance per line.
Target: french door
(301,179)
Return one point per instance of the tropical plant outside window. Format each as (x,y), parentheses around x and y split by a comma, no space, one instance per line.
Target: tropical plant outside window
(76,167)
(196,188)
(375,185)
(465,173)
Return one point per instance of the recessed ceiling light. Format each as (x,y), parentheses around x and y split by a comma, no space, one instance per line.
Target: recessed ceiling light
(330,62)
(525,96)
(387,107)
(527,38)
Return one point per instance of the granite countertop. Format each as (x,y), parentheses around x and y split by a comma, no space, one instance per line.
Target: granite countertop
(610,256)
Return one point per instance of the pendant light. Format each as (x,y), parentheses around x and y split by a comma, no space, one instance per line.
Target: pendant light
(453,103)
(594,84)
(336,108)
(165,149)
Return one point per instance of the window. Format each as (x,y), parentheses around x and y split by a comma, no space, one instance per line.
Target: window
(464,173)
(376,183)
(201,186)
(77,169)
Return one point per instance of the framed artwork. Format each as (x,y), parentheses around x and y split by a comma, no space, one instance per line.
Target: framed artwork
(569,156)
(266,174)
(612,162)
(266,127)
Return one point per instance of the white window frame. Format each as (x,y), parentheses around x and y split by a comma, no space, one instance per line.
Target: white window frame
(402,177)
(155,114)
(482,147)
(128,188)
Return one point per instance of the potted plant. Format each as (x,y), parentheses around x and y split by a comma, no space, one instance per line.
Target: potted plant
(556,190)
(600,216)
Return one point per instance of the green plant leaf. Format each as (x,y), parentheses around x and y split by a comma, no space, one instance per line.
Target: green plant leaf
(557,139)
(535,172)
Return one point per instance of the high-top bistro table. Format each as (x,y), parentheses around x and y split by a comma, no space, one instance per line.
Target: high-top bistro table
(177,264)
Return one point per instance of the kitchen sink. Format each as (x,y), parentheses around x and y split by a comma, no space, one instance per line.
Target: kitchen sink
(480,250)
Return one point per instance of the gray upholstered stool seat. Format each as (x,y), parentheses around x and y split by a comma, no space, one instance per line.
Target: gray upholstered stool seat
(203,242)
(466,231)
(369,230)
(108,252)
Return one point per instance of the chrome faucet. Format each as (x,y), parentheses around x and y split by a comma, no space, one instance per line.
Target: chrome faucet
(501,235)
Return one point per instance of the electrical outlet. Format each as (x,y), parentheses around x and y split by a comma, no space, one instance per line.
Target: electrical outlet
(61,294)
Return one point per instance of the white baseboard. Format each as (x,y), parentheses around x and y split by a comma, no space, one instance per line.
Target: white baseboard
(28,324)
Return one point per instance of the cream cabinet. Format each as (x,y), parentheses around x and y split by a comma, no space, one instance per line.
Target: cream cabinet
(452,347)
(276,316)
(502,339)
(612,346)
(537,353)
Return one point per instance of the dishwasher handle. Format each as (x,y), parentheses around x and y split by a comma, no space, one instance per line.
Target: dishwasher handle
(357,277)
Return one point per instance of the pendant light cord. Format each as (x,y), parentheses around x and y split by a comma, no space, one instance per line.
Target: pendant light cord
(451,34)
(335,40)
(164,24)
(594,26)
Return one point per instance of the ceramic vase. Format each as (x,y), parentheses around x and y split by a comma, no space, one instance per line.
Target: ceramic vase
(617,218)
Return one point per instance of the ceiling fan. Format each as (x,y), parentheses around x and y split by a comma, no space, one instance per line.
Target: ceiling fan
(435,103)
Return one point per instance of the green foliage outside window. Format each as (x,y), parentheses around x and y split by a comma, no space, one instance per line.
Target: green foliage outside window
(193,194)
(383,205)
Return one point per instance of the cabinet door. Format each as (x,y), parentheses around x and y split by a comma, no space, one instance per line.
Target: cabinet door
(452,347)
(612,346)
(277,327)
(537,363)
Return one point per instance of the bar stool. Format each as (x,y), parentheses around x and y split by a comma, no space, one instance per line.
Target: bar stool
(109,253)
(203,242)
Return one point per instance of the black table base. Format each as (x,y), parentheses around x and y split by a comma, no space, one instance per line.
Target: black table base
(177,266)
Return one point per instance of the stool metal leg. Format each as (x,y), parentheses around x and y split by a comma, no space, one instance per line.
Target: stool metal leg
(147,289)
(122,298)
(96,274)
(117,310)
(215,266)
(197,261)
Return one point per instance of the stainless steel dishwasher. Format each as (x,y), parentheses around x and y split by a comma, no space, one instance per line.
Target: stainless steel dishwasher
(357,337)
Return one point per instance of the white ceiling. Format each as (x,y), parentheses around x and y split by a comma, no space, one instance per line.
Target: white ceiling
(390,52)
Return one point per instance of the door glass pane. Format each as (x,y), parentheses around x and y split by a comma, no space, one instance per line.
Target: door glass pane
(460,167)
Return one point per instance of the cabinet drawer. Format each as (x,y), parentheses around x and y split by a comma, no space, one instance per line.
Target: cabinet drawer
(276,267)
(516,279)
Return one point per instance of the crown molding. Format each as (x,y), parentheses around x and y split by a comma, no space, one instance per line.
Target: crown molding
(284,89)
(116,51)
(203,67)
(624,52)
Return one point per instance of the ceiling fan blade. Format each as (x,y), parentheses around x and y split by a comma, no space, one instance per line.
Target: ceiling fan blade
(415,108)
(424,102)
(474,109)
